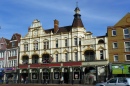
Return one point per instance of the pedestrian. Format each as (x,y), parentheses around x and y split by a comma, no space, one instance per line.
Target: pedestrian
(61,80)
(45,81)
(22,79)
(26,80)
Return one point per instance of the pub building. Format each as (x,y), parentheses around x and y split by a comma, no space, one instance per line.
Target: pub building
(68,51)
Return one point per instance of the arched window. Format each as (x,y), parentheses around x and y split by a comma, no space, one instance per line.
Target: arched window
(25,59)
(89,55)
(101,41)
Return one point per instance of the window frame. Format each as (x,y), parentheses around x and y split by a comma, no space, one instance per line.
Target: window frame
(46,44)
(56,43)
(114,34)
(56,57)
(126,57)
(128,47)
(115,47)
(66,57)
(76,56)
(26,47)
(126,35)
(114,57)
(35,45)
(66,42)
(101,54)
(75,41)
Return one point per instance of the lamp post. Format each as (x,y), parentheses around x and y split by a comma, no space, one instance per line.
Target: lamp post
(28,72)
(122,67)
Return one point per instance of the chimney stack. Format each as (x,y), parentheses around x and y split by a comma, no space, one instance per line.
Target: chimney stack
(56,25)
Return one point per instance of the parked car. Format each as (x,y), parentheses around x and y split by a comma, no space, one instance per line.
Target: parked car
(118,81)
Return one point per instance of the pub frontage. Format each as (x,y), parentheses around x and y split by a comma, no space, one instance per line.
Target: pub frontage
(73,72)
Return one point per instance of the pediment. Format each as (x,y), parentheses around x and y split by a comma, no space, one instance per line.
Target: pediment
(56,52)
(101,48)
(124,21)
(65,51)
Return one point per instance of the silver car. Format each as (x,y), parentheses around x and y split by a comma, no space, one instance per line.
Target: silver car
(118,81)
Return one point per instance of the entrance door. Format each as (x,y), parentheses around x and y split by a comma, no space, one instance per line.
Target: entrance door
(24,76)
(66,77)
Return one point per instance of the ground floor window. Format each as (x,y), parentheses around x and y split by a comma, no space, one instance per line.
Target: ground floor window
(56,73)
(46,74)
(34,74)
(76,73)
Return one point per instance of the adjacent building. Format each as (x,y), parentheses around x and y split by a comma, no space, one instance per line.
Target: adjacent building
(119,46)
(3,55)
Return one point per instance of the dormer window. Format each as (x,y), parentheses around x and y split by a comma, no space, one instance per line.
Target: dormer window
(13,44)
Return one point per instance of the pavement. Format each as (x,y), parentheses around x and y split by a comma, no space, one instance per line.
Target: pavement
(44,85)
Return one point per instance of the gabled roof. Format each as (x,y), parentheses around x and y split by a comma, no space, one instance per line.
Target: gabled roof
(125,21)
(16,36)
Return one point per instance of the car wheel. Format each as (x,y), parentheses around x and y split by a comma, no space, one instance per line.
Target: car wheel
(102,85)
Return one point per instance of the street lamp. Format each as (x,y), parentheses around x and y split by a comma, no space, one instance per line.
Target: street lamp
(122,67)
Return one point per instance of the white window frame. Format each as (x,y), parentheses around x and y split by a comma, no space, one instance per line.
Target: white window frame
(35,45)
(66,42)
(114,33)
(126,35)
(57,58)
(25,47)
(126,57)
(114,45)
(127,49)
(46,44)
(116,58)
(76,56)
(101,54)
(66,57)
(75,41)
(56,43)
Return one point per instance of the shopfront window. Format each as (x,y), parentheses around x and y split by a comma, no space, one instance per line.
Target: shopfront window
(57,73)
(76,73)
(46,74)
(34,74)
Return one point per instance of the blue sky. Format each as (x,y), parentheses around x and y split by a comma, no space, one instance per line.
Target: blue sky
(17,15)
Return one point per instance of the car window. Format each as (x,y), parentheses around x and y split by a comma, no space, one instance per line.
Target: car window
(125,81)
(112,80)
(122,80)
